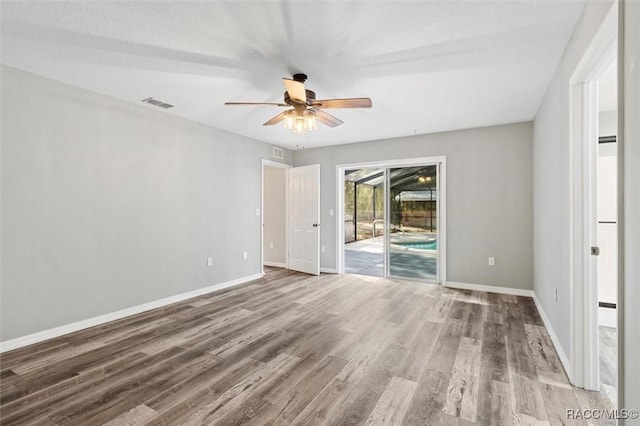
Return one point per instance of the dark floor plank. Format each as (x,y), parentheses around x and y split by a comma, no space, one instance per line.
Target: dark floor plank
(529,312)
(428,399)
(177,401)
(288,400)
(369,390)
(20,410)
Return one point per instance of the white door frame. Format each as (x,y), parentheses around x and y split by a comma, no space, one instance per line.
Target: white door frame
(583,348)
(406,162)
(270,163)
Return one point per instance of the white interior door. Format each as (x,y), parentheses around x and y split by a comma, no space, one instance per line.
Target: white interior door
(304,219)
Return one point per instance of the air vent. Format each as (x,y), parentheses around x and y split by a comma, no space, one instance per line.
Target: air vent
(158,103)
(278,153)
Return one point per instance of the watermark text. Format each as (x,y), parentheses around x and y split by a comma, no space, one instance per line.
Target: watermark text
(601,414)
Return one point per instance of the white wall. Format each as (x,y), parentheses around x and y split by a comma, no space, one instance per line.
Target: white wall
(551,184)
(630,92)
(488,197)
(274,215)
(107,205)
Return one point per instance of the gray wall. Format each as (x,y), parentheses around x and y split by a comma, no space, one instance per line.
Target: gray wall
(107,205)
(488,197)
(274,215)
(551,171)
(630,53)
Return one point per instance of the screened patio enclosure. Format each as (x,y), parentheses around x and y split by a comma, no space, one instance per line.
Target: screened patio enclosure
(364,204)
(391,217)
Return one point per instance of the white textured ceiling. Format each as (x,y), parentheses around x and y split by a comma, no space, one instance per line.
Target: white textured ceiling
(428,66)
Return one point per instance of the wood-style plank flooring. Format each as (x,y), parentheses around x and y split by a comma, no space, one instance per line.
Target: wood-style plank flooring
(295,349)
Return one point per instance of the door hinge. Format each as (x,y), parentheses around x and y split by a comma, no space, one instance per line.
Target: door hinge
(595,251)
(315,225)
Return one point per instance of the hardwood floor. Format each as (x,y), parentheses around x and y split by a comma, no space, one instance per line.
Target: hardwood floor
(295,349)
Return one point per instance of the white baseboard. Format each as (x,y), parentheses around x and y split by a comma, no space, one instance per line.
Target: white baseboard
(40,336)
(608,317)
(564,359)
(328,271)
(490,289)
(274,264)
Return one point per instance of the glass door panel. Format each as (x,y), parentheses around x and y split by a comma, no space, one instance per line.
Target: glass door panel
(364,221)
(412,236)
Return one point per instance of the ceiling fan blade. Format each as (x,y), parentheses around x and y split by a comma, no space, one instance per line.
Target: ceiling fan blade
(296,90)
(257,103)
(275,120)
(343,103)
(327,119)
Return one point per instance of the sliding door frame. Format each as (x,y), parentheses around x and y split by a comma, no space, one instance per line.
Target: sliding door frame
(440,162)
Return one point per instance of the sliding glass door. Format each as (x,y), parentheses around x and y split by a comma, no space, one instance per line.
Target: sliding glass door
(392,219)
(412,218)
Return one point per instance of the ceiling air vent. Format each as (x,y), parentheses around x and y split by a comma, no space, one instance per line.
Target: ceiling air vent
(158,103)
(278,153)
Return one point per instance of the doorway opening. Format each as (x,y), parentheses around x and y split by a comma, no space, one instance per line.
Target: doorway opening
(593,257)
(607,229)
(392,219)
(274,214)
(290,217)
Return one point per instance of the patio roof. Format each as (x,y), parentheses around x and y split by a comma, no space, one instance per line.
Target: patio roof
(404,178)
(417,196)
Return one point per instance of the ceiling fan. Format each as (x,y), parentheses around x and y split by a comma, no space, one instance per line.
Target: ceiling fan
(305,108)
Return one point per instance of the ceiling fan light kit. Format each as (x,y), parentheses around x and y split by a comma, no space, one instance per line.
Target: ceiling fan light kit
(300,123)
(305,110)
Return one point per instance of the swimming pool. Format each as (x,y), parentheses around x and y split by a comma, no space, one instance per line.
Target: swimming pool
(419,245)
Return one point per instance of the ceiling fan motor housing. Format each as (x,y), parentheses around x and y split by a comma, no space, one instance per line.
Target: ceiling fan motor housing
(311,96)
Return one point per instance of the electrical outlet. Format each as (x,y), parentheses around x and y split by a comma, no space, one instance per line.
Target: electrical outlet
(209,261)
(492,261)
(244,255)
(323,249)
(257,212)
(271,244)
(330,212)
